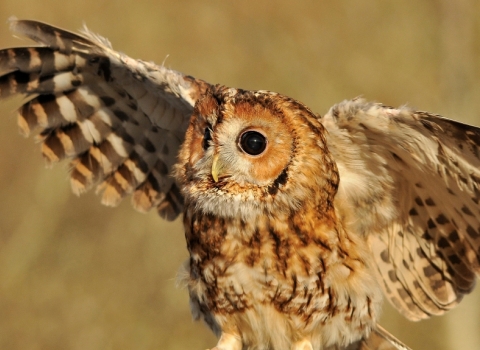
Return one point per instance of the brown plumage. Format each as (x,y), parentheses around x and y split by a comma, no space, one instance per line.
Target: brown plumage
(294,222)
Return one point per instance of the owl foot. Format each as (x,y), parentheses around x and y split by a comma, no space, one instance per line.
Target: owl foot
(228,342)
(302,345)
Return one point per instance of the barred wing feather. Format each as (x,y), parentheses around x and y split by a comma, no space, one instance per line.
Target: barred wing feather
(409,182)
(119,120)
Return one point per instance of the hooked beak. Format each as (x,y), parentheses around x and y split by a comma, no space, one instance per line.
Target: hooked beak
(217,168)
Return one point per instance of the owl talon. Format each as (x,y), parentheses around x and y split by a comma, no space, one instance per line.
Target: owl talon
(228,342)
(302,345)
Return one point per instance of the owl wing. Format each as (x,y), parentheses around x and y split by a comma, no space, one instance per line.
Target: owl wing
(409,183)
(121,121)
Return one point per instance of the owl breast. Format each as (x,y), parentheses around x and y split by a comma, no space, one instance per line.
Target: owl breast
(279,280)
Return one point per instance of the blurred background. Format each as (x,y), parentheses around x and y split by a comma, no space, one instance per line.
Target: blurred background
(77,275)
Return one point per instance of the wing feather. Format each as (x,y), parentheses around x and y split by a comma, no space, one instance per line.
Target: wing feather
(409,183)
(120,121)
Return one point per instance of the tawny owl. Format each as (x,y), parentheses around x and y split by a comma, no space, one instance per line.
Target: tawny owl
(295,222)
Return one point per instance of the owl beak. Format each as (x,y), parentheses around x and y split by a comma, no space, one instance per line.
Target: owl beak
(217,168)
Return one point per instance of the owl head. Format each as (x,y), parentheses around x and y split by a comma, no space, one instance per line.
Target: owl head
(248,153)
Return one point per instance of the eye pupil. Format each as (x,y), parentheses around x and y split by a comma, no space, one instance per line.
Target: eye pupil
(207,137)
(253,143)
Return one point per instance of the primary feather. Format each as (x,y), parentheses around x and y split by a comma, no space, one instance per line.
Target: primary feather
(119,120)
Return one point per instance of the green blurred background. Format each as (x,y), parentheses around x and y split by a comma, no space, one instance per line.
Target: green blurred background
(77,275)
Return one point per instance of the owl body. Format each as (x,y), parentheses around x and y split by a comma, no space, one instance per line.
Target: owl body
(271,286)
(294,222)
(239,286)
(286,270)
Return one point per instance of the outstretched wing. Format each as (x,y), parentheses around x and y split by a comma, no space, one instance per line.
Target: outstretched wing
(120,120)
(409,182)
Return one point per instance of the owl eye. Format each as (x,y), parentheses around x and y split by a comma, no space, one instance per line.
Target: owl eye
(207,137)
(253,143)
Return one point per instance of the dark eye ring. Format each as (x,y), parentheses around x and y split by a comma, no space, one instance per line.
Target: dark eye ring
(207,137)
(253,142)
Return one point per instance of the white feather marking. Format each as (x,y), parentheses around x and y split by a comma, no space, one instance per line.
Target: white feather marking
(89,131)
(80,61)
(89,96)
(67,108)
(117,144)
(63,81)
(61,61)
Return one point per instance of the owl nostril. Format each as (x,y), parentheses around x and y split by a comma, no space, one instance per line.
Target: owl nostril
(253,143)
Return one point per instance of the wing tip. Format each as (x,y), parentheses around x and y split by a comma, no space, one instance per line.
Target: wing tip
(12,22)
(20,26)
